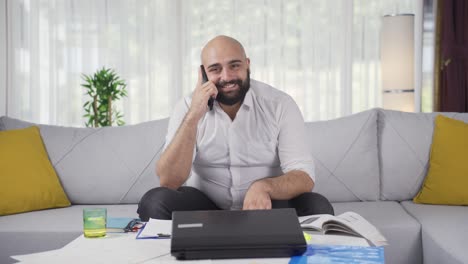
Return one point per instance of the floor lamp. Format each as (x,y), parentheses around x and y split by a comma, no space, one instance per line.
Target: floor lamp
(397,62)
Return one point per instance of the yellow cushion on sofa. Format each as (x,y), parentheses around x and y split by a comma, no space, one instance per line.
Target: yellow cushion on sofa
(28,180)
(447,179)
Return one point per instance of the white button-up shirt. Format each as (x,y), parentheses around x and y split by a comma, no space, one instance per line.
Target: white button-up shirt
(265,139)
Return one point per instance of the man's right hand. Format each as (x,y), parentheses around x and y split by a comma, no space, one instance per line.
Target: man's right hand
(200,97)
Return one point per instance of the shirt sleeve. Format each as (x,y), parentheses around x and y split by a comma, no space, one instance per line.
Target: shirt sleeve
(177,117)
(292,147)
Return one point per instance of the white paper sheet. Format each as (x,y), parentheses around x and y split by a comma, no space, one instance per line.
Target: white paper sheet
(156,228)
(33,256)
(111,249)
(252,261)
(172,260)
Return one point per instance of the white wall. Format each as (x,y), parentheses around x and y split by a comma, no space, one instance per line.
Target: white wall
(3,59)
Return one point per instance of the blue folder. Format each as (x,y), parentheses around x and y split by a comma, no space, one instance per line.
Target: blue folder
(340,255)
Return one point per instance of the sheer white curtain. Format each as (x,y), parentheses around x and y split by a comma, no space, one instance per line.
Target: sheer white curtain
(323,53)
(3,55)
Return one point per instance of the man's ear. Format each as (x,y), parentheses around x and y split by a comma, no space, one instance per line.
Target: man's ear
(247,60)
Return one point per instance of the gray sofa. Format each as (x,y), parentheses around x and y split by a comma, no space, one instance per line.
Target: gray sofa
(372,162)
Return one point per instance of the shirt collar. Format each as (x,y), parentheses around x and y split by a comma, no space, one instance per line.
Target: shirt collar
(248,99)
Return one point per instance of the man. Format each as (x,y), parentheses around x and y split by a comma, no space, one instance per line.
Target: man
(248,152)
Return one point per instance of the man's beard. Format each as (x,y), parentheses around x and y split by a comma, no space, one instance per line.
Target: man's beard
(237,96)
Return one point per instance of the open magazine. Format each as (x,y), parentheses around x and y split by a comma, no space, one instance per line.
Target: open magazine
(348,223)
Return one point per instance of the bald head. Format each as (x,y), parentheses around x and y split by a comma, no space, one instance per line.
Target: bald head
(219,48)
(227,67)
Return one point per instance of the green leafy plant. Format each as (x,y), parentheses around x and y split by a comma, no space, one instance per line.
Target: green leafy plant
(104,87)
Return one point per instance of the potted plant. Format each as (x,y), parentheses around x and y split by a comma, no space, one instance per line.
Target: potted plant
(104,87)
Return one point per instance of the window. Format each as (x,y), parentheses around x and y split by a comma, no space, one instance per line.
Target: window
(325,54)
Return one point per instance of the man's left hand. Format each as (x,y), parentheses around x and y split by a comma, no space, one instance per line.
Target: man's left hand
(257,197)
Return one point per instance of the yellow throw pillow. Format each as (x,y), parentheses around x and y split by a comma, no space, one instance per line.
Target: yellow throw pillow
(447,179)
(28,180)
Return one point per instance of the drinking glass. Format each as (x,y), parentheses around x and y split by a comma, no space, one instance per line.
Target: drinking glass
(94,222)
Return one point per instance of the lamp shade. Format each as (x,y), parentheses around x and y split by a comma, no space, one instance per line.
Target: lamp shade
(397,61)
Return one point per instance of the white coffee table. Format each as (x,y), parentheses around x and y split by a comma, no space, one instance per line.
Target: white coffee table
(123,248)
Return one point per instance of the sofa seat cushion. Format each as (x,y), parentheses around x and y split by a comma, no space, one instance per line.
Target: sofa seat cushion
(48,229)
(68,219)
(444,231)
(401,229)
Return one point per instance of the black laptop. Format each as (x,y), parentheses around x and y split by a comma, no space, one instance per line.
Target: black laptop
(236,234)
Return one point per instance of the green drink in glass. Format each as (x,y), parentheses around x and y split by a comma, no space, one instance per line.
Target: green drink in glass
(94,222)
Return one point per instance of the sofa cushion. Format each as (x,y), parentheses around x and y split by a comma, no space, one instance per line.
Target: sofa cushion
(345,153)
(405,140)
(28,180)
(48,229)
(447,178)
(401,230)
(444,231)
(106,165)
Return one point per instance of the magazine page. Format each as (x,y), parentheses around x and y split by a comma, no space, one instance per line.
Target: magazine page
(359,225)
(348,223)
(331,227)
(314,222)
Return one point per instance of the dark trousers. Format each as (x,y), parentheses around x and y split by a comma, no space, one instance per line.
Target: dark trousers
(160,202)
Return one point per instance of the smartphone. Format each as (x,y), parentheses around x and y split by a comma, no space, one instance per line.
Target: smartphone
(204,80)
